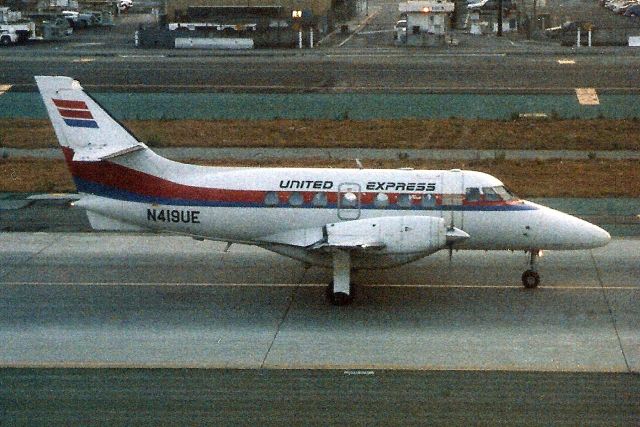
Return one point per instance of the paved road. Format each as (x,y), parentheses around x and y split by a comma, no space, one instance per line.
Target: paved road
(299,397)
(108,300)
(333,71)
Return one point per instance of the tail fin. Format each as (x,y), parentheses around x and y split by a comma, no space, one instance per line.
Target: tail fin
(81,124)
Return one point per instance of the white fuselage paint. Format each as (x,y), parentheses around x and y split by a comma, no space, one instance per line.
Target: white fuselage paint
(523,226)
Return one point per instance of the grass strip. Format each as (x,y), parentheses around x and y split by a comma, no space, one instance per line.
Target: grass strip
(524,134)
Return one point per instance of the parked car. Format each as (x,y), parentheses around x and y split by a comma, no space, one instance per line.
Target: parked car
(124,5)
(400,29)
(490,5)
(621,6)
(569,28)
(633,10)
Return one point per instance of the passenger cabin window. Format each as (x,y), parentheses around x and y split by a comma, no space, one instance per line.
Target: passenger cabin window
(349,200)
(296,199)
(472,194)
(271,198)
(381,201)
(319,200)
(404,200)
(428,201)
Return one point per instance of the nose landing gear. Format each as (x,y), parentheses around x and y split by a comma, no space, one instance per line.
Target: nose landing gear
(340,290)
(531,278)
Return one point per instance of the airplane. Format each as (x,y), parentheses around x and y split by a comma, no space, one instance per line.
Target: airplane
(344,219)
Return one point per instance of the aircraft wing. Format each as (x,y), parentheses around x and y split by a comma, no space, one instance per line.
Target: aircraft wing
(398,234)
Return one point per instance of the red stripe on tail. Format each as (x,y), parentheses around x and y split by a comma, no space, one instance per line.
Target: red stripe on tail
(75,114)
(63,103)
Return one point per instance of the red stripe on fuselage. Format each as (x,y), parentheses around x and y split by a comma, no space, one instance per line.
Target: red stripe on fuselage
(75,114)
(77,105)
(133,181)
(140,183)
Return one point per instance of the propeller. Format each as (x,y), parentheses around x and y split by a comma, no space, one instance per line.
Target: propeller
(454,235)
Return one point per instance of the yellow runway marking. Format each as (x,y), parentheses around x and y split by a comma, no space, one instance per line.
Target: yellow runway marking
(566,61)
(587,96)
(4,88)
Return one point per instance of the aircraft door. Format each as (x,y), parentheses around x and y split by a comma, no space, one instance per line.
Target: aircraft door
(452,198)
(348,201)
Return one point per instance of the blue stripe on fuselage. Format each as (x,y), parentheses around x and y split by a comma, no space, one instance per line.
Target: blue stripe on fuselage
(88,187)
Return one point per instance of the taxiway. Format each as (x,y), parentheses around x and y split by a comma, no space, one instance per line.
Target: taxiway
(110,300)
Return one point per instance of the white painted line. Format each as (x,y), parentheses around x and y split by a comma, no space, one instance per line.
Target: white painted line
(345,367)
(375,32)
(533,115)
(315,285)
(566,61)
(4,88)
(142,56)
(84,60)
(587,96)
(360,27)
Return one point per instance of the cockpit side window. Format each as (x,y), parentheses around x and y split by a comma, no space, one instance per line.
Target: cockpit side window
(472,194)
(505,194)
(497,193)
(490,194)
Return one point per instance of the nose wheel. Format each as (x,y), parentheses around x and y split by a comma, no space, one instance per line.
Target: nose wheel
(340,298)
(531,278)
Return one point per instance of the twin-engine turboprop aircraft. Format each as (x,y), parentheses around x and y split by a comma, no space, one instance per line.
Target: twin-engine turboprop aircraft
(340,218)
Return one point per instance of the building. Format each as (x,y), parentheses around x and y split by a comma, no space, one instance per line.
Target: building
(427,22)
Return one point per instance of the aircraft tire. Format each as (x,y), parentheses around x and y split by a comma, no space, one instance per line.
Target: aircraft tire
(339,298)
(530,279)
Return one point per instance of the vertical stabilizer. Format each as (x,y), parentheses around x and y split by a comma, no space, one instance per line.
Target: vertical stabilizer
(81,124)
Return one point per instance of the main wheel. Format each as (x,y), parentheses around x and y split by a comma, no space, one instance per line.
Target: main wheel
(339,298)
(530,279)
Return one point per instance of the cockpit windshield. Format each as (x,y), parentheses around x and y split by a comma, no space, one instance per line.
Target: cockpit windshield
(498,193)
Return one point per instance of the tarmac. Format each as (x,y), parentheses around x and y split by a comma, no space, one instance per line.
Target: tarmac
(111,300)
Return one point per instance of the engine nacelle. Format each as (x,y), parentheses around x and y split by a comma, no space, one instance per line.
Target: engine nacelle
(390,235)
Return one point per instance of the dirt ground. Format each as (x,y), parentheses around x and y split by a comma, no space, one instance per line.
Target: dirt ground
(526,134)
(550,178)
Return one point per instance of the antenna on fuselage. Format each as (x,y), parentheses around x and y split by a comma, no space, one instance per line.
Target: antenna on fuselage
(359,163)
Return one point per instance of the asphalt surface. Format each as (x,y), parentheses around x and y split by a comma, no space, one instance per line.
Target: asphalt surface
(299,397)
(110,300)
(332,71)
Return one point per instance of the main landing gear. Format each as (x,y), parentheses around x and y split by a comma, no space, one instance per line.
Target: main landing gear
(531,278)
(340,290)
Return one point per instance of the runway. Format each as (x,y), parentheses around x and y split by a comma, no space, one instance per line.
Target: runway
(111,300)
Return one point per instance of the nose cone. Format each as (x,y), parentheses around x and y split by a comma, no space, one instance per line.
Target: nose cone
(599,237)
(564,231)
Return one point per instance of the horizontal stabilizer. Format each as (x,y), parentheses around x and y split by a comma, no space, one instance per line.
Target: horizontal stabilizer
(104,153)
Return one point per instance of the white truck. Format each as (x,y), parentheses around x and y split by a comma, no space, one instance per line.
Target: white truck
(14,29)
